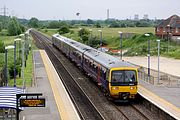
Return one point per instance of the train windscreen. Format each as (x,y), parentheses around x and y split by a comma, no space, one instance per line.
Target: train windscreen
(123,77)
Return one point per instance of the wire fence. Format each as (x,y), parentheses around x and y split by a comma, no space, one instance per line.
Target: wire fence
(165,79)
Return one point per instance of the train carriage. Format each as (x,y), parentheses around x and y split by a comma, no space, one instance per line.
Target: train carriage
(118,78)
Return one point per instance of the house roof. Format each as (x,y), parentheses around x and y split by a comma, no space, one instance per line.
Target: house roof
(173,21)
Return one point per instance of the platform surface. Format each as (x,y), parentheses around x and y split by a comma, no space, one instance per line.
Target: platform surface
(167,99)
(46,81)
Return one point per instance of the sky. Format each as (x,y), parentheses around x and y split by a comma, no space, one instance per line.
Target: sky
(90,9)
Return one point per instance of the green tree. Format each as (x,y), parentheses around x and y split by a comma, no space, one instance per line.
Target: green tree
(1,26)
(114,24)
(14,27)
(33,22)
(64,29)
(54,24)
(97,25)
(89,21)
(83,34)
(22,28)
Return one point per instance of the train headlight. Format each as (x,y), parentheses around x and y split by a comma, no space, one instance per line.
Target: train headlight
(114,88)
(132,88)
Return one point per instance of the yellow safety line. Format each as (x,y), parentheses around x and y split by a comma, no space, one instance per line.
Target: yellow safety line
(59,103)
(161,100)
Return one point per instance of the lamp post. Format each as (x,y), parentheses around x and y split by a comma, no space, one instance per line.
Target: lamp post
(26,43)
(26,46)
(168,31)
(90,41)
(80,33)
(147,35)
(100,39)
(18,39)
(158,60)
(6,61)
(22,35)
(120,33)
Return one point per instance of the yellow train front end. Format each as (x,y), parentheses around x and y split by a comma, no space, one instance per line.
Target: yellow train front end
(123,83)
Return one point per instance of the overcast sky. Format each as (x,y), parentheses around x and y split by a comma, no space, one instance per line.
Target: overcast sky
(92,9)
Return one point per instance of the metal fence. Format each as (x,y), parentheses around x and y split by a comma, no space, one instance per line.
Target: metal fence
(165,79)
(7,114)
(2,77)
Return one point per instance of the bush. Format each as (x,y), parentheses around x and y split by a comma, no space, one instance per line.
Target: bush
(83,34)
(2,47)
(94,42)
(114,24)
(97,25)
(11,70)
(63,30)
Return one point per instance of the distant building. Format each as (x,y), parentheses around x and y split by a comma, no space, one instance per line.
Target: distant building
(170,26)
(107,14)
(145,17)
(136,17)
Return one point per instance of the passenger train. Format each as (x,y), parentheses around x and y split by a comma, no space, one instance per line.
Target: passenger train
(117,78)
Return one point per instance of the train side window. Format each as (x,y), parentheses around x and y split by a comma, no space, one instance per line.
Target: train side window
(101,72)
(91,65)
(94,68)
(107,75)
(104,75)
(87,61)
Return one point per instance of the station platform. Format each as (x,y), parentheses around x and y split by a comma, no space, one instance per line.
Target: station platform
(167,99)
(46,81)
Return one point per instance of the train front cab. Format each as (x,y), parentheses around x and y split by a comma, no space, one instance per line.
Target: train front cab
(123,83)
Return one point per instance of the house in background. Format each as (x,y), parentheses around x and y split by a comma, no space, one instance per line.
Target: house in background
(169,28)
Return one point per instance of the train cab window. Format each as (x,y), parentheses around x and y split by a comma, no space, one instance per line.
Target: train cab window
(130,76)
(123,77)
(117,76)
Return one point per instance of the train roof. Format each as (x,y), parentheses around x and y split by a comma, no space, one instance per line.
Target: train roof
(104,59)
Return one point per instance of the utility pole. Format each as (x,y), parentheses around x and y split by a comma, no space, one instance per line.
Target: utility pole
(4,9)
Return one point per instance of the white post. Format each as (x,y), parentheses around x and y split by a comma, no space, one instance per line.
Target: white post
(100,39)
(158,60)
(147,35)
(120,33)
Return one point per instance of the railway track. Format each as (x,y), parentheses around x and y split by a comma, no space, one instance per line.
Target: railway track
(118,112)
(84,106)
(130,112)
